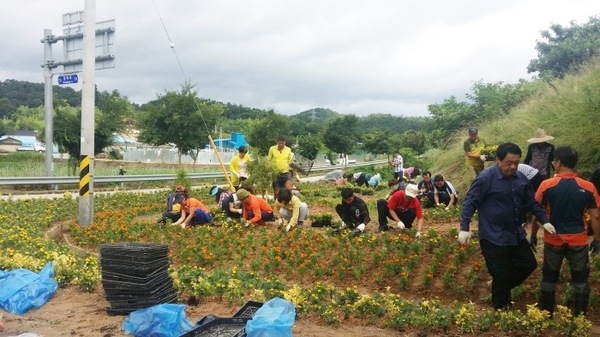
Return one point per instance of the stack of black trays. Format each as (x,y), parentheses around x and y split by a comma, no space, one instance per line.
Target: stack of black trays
(135,276)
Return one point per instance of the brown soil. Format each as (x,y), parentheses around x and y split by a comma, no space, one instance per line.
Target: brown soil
(74,313)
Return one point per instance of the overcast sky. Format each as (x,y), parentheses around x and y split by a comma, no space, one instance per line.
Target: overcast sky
(352,56)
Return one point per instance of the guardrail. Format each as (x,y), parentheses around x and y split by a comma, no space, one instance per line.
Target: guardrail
(7,181)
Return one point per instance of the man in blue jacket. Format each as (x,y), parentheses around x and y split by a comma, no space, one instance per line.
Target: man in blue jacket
(503,196)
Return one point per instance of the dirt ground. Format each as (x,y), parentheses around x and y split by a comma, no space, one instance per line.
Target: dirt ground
(73,313)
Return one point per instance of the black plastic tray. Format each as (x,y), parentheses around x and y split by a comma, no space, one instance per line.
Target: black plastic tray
(249,309)
(220,327)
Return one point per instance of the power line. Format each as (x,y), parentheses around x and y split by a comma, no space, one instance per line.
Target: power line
(172,46)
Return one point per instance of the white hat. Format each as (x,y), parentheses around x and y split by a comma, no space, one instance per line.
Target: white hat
(540,136)
(411,190)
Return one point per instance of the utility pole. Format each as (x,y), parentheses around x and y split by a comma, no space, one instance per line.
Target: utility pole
(48,65)
(88,94)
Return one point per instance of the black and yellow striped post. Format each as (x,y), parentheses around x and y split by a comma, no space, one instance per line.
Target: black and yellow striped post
(86,203)
(84,176)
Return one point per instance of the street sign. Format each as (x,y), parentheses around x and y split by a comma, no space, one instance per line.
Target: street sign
(68,79)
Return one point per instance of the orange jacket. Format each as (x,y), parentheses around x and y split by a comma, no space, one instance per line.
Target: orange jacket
(256,205)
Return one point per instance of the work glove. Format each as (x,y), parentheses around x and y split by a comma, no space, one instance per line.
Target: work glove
(418,235)
(533,243)
(483,157)
(594,247)
(401,225)
(240,211)
(288,227)
(447,208)
(279,222)
(361,227)
(464,237)
(548,227)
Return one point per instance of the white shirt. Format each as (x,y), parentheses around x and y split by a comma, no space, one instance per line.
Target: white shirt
(528,171)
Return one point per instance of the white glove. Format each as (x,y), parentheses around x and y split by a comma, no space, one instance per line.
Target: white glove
(239,211)
(401,225)
(287,227)
(549,228)
(447,207)
(483,157)
(279,222)
(464,237)
(183,225)
(418,235)
(361,227)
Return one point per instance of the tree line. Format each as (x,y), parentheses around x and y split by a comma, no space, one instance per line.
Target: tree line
(182,118)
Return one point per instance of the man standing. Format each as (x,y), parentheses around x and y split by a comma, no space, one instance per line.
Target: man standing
(503,196)
(540,153)
(398,163)
(567,198)
(281,156)
(353,211)
(473,147)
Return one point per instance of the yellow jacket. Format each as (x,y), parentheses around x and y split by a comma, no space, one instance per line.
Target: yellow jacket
(234,168)
(282,159)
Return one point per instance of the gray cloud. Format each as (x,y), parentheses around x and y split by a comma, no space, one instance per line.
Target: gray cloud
(354,56)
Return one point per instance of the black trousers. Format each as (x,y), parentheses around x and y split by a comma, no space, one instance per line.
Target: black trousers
(383,213)
(509,266)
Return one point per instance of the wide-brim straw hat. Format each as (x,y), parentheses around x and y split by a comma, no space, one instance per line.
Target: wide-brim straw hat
(540,136)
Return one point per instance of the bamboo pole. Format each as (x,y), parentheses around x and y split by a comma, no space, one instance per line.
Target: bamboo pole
(212,144)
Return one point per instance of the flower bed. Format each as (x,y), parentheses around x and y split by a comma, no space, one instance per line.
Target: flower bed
(390,279)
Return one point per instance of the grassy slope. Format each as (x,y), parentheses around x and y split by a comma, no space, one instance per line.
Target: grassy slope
(570,112)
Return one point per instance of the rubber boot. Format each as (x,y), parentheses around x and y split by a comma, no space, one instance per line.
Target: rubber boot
(581,304)
(548,301)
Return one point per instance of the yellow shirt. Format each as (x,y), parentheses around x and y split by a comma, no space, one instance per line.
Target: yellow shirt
(281,159)
(235,167)
(293,207)
(474,147)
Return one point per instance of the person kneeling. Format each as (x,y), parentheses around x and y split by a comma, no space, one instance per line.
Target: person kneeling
(193,212)
(403,207)
(290,209)
(353,211)
(255,210)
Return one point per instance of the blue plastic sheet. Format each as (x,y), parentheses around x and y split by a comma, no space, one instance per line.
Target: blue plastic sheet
(274,319)
(161,320)
(22,289)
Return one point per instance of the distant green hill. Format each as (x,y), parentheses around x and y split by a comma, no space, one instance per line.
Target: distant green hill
(14,93)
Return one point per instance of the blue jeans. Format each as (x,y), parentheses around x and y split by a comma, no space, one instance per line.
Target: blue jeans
(201,217)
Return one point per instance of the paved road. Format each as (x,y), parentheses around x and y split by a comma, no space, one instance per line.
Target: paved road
(74,195)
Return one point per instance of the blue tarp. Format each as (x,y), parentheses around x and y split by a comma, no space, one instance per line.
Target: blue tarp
(22,289)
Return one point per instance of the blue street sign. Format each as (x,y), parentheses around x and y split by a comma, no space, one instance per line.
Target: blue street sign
(68,79)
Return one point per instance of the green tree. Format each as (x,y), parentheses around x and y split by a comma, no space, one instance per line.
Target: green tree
(264,133)
(415,140)
(67,132)
(450,116)
(341,135)
(379,143)
(309,146)
(25,118)
(179,118)
(565,48)
(115,106)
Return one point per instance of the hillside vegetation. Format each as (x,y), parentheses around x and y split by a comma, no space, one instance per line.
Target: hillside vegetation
(568,109)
